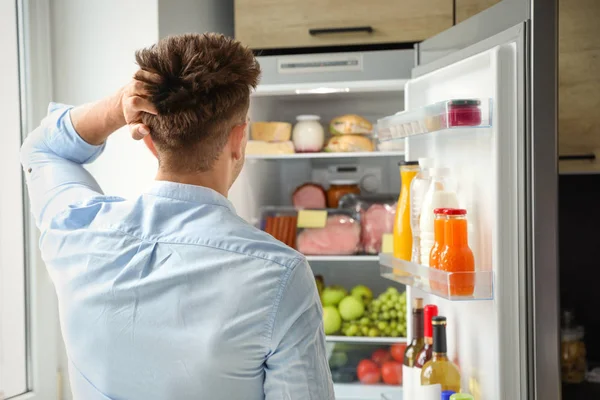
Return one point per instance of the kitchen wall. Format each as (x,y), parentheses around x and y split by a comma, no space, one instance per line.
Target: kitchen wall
(579,241)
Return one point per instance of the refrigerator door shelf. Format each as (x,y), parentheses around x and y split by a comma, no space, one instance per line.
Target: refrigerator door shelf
(444,115)
(439,283)
(358,391)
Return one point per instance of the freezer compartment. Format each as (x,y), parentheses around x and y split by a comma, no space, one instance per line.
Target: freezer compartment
(448,114)
(457,286)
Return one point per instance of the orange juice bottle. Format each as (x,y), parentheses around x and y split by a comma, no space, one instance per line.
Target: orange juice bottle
(402,230)
(457,256)
(438,247)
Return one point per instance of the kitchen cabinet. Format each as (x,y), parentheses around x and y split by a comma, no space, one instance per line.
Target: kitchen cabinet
(270,24)
(579,85)
(465,9)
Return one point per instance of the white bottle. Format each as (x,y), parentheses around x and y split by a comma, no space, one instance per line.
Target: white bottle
(441,194)
(418,189)
(308,134)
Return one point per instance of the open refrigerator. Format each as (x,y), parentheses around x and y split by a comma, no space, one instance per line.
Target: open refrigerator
(504,337)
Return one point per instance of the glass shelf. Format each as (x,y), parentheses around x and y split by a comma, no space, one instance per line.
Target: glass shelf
(439,283)
(365,340)
(444,115)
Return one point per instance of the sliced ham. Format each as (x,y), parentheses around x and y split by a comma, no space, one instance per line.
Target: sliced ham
(340,236)
(375,222)
(309,195)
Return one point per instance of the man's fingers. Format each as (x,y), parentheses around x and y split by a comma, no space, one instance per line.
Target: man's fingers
(138,131)
(137,104)
(147,77)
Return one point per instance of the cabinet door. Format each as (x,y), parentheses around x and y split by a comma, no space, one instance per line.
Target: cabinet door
(579,83)
(268,24)
(467,8)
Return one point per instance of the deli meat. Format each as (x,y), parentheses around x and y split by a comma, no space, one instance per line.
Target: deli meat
(309,195)
(340,236)
(376,221)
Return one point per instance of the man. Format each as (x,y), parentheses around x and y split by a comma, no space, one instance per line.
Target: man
(172,295)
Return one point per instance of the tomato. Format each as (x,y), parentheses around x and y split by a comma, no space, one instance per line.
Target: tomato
(397,351)
(380,356)
(391,372)
(368,372)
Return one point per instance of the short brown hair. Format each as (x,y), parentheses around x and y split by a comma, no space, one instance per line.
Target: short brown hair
(204,92)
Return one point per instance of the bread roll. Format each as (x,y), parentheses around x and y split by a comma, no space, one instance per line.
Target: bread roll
(350,124)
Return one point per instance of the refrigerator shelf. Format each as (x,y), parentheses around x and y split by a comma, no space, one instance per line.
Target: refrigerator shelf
(357,390)
(441,116)
(444,283)
(358,258)
(365,340)
(324,155)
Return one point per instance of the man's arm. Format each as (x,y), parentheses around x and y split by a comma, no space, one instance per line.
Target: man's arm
(54,153)
(297,367)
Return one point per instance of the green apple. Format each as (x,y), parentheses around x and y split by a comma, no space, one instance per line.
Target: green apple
(320,283)
(362,292)
(351,308)
(332,322)
(332,295)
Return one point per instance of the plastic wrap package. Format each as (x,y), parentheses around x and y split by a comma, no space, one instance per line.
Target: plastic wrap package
(309,195)
(377,215)
(328,232)
(280,222)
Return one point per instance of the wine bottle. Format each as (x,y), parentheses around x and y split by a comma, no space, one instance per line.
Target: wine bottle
(426,353)
(410,377)
(440,370)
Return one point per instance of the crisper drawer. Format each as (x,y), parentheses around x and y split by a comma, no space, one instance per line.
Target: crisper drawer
(268,24)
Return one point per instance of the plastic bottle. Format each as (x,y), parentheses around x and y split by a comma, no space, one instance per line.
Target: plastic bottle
(441,194)
(418,189)
(402,229)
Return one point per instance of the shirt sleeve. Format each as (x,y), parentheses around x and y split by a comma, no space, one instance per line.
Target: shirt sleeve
(297,367)
(52,157)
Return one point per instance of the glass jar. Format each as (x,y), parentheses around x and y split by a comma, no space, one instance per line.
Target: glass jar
(464,113)
(457,258)
(308,134)
(338,189)
(573,353)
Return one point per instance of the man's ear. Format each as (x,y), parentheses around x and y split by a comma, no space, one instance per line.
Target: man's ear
(150,144)
(237,141)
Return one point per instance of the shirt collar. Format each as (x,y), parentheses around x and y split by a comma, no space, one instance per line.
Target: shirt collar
(192,193)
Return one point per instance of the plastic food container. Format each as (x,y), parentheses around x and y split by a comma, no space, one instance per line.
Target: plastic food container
(280,222)
(377,216)
(328,232)
(338,189)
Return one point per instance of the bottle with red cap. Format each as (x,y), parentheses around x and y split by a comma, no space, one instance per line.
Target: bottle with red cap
(426,353)
(457,257)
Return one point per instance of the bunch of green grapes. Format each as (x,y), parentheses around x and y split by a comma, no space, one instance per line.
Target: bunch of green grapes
(385,316)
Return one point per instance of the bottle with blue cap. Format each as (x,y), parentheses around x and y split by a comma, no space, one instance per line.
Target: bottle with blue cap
(447,393)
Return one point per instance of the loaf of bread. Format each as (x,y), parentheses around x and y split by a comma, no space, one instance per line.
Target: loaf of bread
(350,124)
(349,143)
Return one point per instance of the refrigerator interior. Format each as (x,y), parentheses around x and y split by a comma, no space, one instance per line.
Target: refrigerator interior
(482,163)
(271,182)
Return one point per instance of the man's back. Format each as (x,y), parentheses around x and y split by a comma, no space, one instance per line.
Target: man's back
(178,289)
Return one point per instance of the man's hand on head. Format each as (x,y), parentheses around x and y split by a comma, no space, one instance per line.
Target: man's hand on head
(134,103)
(95,122)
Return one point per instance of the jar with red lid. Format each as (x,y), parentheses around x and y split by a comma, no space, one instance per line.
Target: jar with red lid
(338,189)
(463,113)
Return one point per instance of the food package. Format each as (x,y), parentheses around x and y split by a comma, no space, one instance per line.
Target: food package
(271,131)
(309,195)
(349,143)
(377,216)
(350,124)
(259,147)
(280,222)
(339,234)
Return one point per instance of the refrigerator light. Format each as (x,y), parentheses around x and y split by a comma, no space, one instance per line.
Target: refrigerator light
(322,90)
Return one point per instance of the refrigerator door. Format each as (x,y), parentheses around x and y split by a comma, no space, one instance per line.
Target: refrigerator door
(506,348)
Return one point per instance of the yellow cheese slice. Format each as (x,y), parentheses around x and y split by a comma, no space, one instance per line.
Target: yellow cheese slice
(312,218)
(387,243)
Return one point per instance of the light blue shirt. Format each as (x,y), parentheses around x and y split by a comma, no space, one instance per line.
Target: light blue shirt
(170,295)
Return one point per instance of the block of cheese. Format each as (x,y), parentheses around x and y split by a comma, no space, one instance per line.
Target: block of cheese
(271,131)
(259,147)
